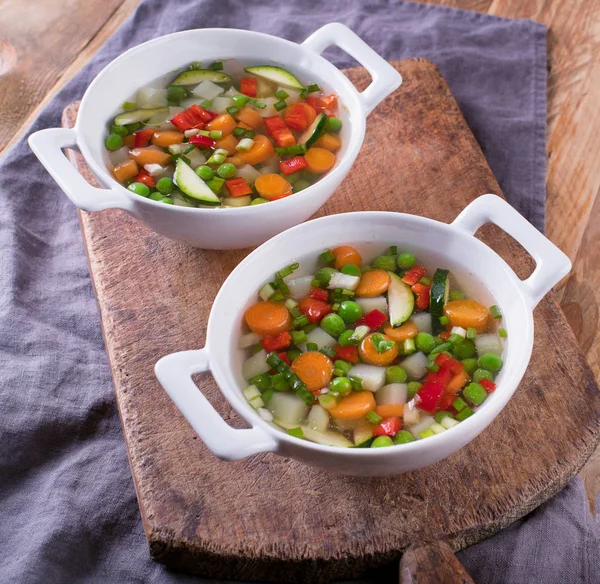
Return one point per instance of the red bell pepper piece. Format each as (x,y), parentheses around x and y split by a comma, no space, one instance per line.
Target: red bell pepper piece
(319,294)
(429,396)
(276,342)
(374,319)
(284,357)
(248,86)
(444,335)
(388,427)
(441,377)
(446,402)
(349,354)
(314,309)
(449,363)
(414,275)
(146,178)
(316,103)
(203,141)
(142,138)
(193,117)
(277,129)
(423,295)
(238,187)
(488,385)
(292,165)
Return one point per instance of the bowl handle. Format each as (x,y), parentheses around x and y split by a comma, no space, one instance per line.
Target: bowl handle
(385,78)
(551,263)
(175,374)
(47,145)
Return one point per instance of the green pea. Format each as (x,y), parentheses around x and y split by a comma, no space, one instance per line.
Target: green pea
(156,196)
(475,393)
(406,261)
(413,387)
(351,270)
(175,93)
(490,361)
(205,172)
(167,201)
(333,324)
(395,374)
(258,201)
(226,170)
(301,185)
(350,311)
(345,339)
(470,365)
(240,100)
(384,262)
(341,385)
(139,189)
(324,275)
(165,185)
(464,349)
(382,441)
(403,437)
(425,342)
(333,125)
(480,374)
(119,131)
(113,142)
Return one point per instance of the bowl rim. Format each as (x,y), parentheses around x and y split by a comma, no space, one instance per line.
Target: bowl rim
(476,423)
(358,127)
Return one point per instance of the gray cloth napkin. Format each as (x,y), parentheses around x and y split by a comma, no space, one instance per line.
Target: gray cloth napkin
(68,510)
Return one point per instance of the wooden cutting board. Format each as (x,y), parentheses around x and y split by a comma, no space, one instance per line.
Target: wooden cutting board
(270,518)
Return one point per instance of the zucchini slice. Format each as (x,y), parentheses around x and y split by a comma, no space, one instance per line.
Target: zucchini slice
(440,288)
(196,76)
(401,300)
(276,75)
(140,115)
(314,131)
(193,186)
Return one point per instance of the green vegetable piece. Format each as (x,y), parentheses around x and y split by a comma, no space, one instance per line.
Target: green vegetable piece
(167,201)
(425,342)
(156,196)
(258,201)
(119,131)
(403,437)
(175,93)
(439,416)
(351,270)
(139,189)
(240,100)
(406,261)
(205,173)
(480,374)
(475,393)
(387,263)
(282,94)
(113,142)
(333,125)
(129,106)
(444,320)
(459,404)
(456,295)
(301,185)
(280,105)
(382,441)
(327,257)
(267,395)
(343,366)
(312,347)
(502,333)
(433,367)
(470,365)
(279,382)
(395,374)
(327,351)
(464,349)
(239,132)
(413,388)
(425,281)
(341,385)
(440,349)
(215,184)
(491,362)
(333,324)
(324,275)
(427,433)
(471,333)
(165,185)
(312,88)
(226,170)
(216,66)
(296,432)
(262,381)
(465,413)
(495,312)
(350,311)
(233,110)
(298,337)
(294,353)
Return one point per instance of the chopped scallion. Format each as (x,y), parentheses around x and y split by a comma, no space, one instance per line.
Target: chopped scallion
(216,66)
(233,110)
(296,432)
(373,417)
(471,333)
(312,88)
(327,256)
(444,320)
(495,312)
(238,132)
(280,105)
(282,94)
(502,332)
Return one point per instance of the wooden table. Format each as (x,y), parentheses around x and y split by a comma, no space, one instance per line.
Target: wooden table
(42,48)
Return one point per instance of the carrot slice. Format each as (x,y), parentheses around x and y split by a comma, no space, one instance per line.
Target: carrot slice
(346,254)
(408,330)
(235,160)
(261,150)
(224,122)
(467,313)
(150,156)
(373,283)
(126,170)
(167,138)
(314,369)
(129,140)
(250,117)
(228,143)
(319,160)
(354,406)
(272,186)
(268,318)
(329,142)
(458,382)
(389,410)
(369,354)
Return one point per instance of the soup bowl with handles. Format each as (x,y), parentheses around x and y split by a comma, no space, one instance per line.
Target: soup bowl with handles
(480,272)
(214,228)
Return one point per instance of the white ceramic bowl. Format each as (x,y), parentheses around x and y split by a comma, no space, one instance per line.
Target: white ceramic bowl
(479,270)
(213,228)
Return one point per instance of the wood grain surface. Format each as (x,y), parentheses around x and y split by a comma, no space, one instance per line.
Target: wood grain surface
(274,519)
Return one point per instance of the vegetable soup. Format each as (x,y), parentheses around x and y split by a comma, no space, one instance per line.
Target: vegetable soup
(224,136)
(368,355)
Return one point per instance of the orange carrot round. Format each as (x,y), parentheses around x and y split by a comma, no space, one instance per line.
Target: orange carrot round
(354,406)
(458,381)
(319,160)
(164,138)
(329,142)
(228,143)
(467,313)
(346,254)
(224,122)
(389,410)
(369,354)
(260,151)
(126,170)
(250,117)
(150,156)
(268,318)
(373,283)
(408,330)
(272,186)
(314,369)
